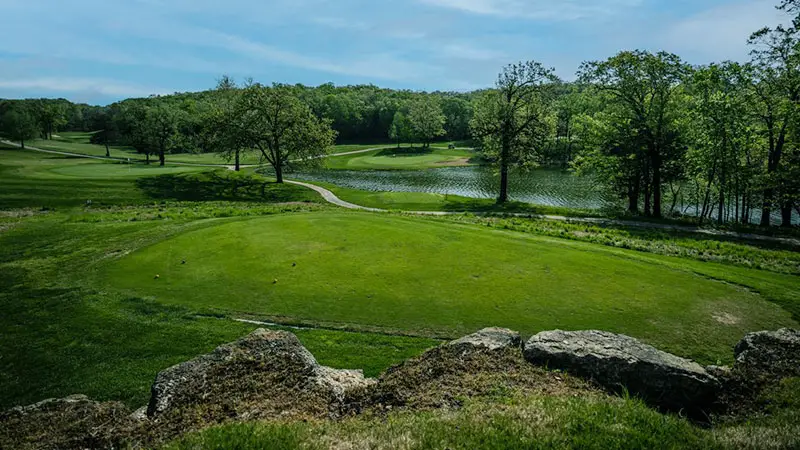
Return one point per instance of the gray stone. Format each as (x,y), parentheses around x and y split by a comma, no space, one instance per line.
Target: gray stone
(620,362)
(770,353)
(266,369)
(490,338)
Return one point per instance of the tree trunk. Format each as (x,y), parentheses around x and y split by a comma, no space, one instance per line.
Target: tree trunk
(278,172)
(656,188)
(721,206)
(647,205)
(633,196)
(504,172)
(108,152)
(786,214)
(22,143)
(237,160)
(766,207)
(147,158)
(161,157)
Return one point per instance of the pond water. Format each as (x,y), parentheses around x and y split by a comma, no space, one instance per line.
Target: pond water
(542,187)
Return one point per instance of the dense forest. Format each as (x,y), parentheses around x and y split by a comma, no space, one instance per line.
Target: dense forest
(665,137)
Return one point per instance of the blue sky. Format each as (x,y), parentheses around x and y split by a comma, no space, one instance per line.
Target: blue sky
(99,51)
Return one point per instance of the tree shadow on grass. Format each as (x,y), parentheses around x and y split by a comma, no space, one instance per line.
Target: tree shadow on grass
(209,186)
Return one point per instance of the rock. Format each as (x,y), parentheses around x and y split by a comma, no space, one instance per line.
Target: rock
(490,338)
(619,362)
(74,422)
(140,414)
(773,354)
(719,372)
(484,363)
(265,374)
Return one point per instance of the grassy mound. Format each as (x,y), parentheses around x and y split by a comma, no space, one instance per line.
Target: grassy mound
(427,278)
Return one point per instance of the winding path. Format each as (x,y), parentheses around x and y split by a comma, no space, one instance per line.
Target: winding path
(331,198)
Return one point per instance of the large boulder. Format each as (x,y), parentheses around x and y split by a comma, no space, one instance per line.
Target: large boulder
(74,422)
(491,339)
(772,354)
(619,363)
(484,363)
(266,374)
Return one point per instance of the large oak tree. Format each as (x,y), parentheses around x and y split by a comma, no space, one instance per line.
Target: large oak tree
(510,121)
(276,123)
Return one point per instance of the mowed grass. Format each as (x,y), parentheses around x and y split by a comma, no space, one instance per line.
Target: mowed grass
(427,278)
(39,180)
(79,143)
(392,158)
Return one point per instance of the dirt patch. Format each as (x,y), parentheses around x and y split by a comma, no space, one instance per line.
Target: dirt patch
(726,318)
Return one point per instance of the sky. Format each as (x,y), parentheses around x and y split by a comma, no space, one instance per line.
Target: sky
(101,51)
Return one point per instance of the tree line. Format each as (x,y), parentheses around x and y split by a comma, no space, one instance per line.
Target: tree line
(719,141)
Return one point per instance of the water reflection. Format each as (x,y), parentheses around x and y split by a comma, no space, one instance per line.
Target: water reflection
(542,187)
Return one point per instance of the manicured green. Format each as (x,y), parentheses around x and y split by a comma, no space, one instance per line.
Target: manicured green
(64,333)
(392,158)
(427,278)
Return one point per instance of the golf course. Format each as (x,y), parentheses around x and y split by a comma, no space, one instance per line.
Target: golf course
(609,261)
(387,284)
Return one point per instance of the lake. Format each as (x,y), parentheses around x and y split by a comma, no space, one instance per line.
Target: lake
(542,186)
(547,187)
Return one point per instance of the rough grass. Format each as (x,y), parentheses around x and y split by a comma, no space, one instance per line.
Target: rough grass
(506,422)
(510,419)
(427,278)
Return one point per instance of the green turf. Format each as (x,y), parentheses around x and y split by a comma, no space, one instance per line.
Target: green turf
(78,143)
(37,180)
(392,158)
(434,279)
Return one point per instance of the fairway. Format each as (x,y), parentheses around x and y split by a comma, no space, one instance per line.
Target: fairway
(427,278)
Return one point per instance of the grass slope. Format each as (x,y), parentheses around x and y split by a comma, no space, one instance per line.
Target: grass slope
(433,279)
(37,180)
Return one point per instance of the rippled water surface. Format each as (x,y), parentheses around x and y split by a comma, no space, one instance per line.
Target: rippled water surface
(543,187)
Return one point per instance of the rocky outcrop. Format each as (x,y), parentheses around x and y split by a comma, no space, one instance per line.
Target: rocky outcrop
(491,339)
(620,362)
(771,354)
(475,365)
(270,375)
(74,422)
(266,374)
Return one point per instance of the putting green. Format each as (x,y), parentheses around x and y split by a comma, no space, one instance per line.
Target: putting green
(425,277)
(430,160)
(405,159)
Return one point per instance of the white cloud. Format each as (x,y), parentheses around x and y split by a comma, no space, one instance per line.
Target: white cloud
(721,33)
(83,86)
(537,9)
(472,53)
